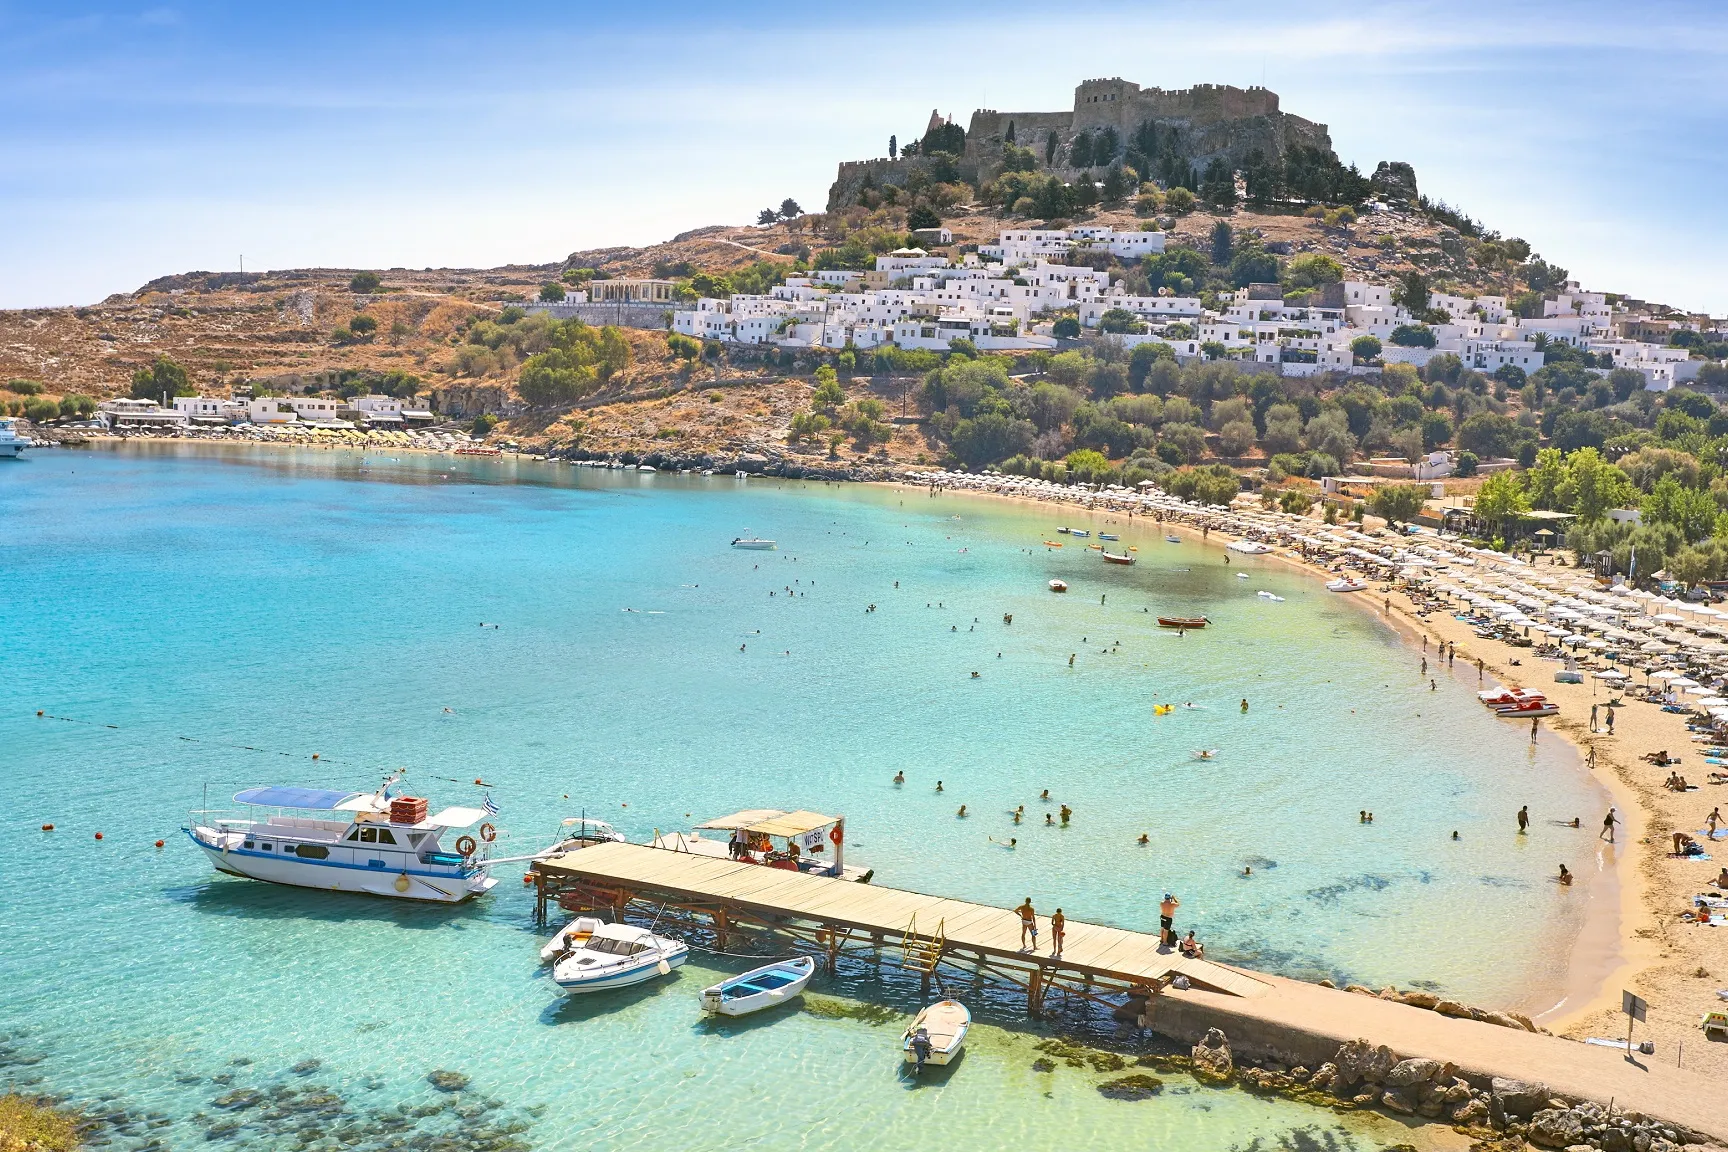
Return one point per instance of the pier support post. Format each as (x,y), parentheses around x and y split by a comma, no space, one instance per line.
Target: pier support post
(720,935)
(1035,993)
(539,898)
(833,942)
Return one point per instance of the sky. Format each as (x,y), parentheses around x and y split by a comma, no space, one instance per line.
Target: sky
(147,139)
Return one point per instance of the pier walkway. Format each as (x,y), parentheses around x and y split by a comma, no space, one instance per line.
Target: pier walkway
(1267,1017)
(842,915)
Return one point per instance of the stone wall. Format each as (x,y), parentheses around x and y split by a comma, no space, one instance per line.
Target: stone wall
(850,180)
(622,314)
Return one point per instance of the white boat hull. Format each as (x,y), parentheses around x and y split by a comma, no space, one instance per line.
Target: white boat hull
(624,977)
(438,888)
(715,1002)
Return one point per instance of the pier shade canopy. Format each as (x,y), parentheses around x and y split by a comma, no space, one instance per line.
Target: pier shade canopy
(771,822)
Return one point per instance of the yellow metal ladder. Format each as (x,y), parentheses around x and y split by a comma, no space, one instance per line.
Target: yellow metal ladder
(923,953)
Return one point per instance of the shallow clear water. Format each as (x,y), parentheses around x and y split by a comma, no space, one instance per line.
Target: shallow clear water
(199,601)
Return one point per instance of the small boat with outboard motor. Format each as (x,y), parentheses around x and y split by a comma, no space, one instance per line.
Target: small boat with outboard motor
(617,956)
(766,987)
(937,1035)
(754,542)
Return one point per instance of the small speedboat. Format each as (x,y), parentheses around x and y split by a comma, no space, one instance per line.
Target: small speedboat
(1058,586)
(1345,584)
(1272,596)
(1062,531)
(571,937)
(754,542)
(759,988)
(1241,575)
(617,956)
(937,1035)
(1182,621)
(1079,532)
(1108,536)
(1115,558)
(1172,539)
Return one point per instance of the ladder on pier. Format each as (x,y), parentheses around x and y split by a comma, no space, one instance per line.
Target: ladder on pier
(922,953)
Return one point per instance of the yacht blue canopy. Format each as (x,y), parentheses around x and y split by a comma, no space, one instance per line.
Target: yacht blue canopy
(321,799)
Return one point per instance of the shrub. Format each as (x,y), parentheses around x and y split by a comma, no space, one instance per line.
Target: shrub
(23,387)
(1365,348)
(40,409)
(364,283)
(362,325)
(1467,462)
(483,424)
(1179,201)
(76,404)
(1413,336)
(1067,327)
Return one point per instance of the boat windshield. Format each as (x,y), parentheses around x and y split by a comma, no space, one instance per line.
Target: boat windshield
(611,947)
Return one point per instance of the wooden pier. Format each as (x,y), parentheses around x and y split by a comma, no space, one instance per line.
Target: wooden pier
(917,932)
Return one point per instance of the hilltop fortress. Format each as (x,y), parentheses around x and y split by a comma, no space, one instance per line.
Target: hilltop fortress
(1172,132)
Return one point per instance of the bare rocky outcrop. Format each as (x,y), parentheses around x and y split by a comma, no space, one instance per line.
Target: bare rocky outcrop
(1213,1062)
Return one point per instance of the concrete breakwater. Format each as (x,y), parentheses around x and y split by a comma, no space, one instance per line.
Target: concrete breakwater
(1307,1042)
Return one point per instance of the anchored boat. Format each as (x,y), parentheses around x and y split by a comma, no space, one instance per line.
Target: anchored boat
(1182,621)
(12,445)
(1058,586)
(764,987)
(937,1035)
(1249,547)
(1114,558)
(1345,584)
(571,937)
(754,542)
(617,956)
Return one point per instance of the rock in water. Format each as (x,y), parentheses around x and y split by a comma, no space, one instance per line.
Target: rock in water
(1556,1128)
(1408,1072)
(446,1081)
(1213,1063)
(1360,1061)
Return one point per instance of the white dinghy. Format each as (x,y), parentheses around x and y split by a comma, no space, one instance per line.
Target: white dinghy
(759,988)
(937,1035)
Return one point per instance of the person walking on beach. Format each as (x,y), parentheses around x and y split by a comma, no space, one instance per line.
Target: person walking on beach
(1608,823)
(1593,708)
(1058,924)
(1028,924)
(1535,723)
(1608,715)
(1167,918)
(1712,820)
(1524,819)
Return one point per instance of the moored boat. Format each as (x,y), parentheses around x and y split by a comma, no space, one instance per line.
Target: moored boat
(374,843)
(937,1035)
(1108,536)
(1182,621)
(754,542)
(12,445)
(764,987)
(617,956)
(1249,547)
(1115,558)
(1052,543)
(1058,586)
(1172,538)
(1265,595)
(1345,584)
(1527,709)
(1079,532)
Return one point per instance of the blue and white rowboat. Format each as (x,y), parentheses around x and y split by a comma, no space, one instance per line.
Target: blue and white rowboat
(759,988)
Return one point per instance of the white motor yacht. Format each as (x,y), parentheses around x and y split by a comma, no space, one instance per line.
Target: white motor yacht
(367,842)
(617,956)
(12,445)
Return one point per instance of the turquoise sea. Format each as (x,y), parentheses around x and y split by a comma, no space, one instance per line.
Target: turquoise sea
(188,617)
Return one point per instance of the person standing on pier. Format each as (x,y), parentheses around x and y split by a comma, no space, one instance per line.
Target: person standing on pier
(1058,923)
(1028,924)
(1167,918)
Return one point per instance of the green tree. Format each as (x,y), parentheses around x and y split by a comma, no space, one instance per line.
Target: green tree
(1253,266)
(1467,462)
(362,325)
(1295,501)
(163,377)
(923,216)
(1222,243)
(1596,485)
(76,404)
(1120,320)
(551,291)
(40,410)
(1398,502)
(1413,336)
(1312,271)
(1364,349)
(1412,294)
(989,437)
(789,209)
(1436,430)
(1179,200)
(1066,327)
(1548,479)
(1501,501)
(828,392)
(364,283)
(1691,510)
(1218,186)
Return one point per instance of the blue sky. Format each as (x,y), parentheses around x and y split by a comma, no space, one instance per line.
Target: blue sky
(154,138)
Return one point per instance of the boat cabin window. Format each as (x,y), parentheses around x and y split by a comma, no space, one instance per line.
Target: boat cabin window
(248,844)
(414,838)
(264,847)
(614,947)
(384,836)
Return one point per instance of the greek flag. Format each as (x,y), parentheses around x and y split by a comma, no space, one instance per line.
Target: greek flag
(491,808)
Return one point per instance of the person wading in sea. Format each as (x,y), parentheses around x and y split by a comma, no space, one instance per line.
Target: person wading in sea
(1608,823)
(1524,819)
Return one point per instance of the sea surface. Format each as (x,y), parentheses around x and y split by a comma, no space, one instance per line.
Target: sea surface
(189,621)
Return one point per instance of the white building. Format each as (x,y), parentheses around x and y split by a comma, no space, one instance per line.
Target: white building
(210,409)
(126,413)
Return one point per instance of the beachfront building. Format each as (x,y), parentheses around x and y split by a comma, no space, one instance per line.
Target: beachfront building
(210,409)
(139,414)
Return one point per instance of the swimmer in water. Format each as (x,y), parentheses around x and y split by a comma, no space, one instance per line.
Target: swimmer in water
(1144,839)
(962,812)
(938,785)
(900,777)
(1049,820)
(1044,795)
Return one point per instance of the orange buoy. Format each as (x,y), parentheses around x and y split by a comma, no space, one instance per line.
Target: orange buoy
(47,827)
(98,835)
(38,711)
(314,755)
(527,877)
(159,843)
